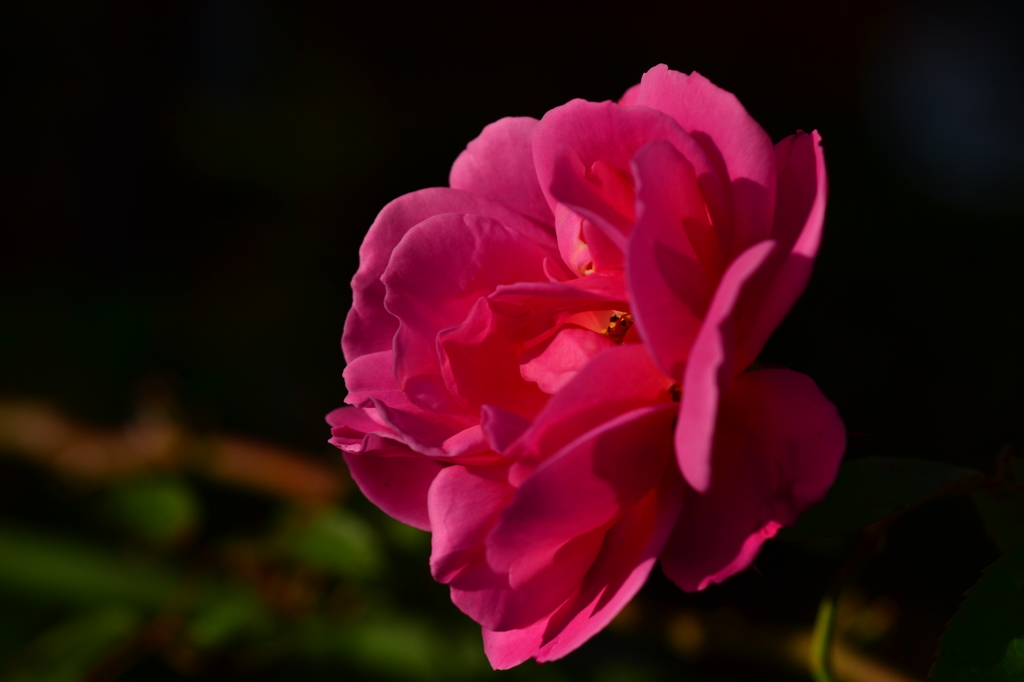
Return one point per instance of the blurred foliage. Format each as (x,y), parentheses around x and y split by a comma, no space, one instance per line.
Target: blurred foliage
(869,490)
(155,568)
(985,640)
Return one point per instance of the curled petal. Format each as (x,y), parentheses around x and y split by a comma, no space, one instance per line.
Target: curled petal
(711,366)
(799,217)
(777,447)
(588,484)
(369,327)
(498,165)
(439,270)
(630,548)
(737,146)
(669,286)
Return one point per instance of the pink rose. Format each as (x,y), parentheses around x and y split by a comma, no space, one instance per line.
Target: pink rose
(549,363)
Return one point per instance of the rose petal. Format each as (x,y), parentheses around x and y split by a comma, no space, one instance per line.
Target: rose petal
(614,382)
(669,288)
(554,363)
(436,274)
(498,165)
(630,548)
(799,217)
(711,366)
(480,365)
(737,146)
(578,147)
(777,447)
(586,485)
(395,483)
(369,327)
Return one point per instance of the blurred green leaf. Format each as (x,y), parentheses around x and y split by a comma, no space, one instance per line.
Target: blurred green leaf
(985,639)
(66,652)
(390,646)
(161,511)
(335,542)
(1002,512)
(227,614)
(54,569)
(871,489)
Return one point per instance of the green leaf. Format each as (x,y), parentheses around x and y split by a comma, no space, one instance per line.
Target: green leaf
(390,646)
(1002,511)
(871,489)
(228,613)
(985,639)
(66,652)
(61,570)
(161,511)
(334,541)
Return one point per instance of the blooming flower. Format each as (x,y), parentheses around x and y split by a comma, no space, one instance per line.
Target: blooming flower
(550,362)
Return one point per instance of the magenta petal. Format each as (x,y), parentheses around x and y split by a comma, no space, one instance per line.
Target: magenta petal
(736,144)
(669,288)
(441,268)
(777,448)
(498,165)
(480,365)
(586,485)
(799,217)
(710,367)
(630,548)
(464,504)
(369,327)
(615,381)
(395,483)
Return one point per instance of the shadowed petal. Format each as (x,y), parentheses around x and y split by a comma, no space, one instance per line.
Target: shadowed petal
(777,447)
(710,368)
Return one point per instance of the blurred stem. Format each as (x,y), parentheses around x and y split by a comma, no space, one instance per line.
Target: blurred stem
(821,640)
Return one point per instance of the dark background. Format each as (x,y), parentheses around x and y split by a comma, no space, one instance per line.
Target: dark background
(188,183)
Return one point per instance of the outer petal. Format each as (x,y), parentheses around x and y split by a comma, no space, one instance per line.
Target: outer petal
(464,503)
(710,367)
(799,217)
(396,480)
(580,148)
(739,148)
(777,449)
(587,485)
(369,327)
(669,288)
(629,551)
(435,276)
(498,165)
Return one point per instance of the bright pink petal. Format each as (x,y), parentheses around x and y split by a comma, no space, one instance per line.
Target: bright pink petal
(498,165)
(669,288)
(436,274)
(464,504)
(711,366)
(586,485)
(777,448)
(481,366)
(488,597)
(582,151)
(397,484)
(369,327)
(738,147)
(614,382)
(555,362)
(630,97)
(799,217)
(630,548)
